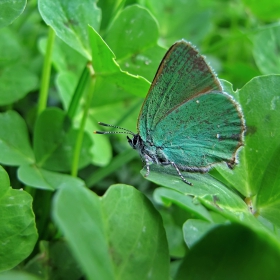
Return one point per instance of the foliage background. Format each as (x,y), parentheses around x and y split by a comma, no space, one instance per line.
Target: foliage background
(61,217)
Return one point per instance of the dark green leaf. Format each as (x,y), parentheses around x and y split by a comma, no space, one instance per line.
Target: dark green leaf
(231,252)
(54,261)
(14,140)
(137,241)
(54,142)
(18,233)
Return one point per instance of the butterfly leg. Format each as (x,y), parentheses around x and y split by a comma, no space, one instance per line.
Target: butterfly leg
(180,174)
(147,161)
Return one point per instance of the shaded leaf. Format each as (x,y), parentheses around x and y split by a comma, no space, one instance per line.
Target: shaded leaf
(233,252)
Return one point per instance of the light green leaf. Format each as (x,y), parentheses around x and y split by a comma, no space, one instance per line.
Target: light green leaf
(119,236)
(267,55)
(257,176)
(10,47)
(136,236)
(87,238)
(265,10)
(14,140)
(133,37)
(18,233)
(184,19)
(15,82)
(16,275)
(10,10)
(40,178)
(70,20)
(110,79)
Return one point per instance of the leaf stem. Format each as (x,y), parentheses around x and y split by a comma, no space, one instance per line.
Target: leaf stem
(78,93)
(45,79)
(79,141)
(117,162)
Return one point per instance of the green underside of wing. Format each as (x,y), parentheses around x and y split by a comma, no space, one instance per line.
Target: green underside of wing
(205,130)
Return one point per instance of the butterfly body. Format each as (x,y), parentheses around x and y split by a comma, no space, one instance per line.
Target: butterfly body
(187,120)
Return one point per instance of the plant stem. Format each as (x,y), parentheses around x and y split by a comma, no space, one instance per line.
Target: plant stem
(115,164)
(45,80)
(79,141)
(78,93)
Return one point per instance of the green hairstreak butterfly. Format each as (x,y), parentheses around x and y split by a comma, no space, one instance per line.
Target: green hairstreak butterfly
(187,121)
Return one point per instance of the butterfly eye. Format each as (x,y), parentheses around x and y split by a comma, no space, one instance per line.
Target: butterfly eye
(135,140)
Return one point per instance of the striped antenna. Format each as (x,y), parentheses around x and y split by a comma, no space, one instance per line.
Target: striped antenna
(125,131)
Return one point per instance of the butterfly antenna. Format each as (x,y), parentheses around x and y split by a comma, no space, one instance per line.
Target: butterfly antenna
(125,131)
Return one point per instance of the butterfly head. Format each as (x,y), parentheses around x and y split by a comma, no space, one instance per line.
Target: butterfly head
(136,142)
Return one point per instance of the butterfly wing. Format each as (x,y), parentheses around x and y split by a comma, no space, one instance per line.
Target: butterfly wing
(187,115)
(182,74)
(205,130)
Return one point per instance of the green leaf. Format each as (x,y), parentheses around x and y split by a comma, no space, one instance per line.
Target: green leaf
(133,37)
(195,230)
(266,55)
(87,238)
(65,58)
(40,178)
(70,20)
(263,9)
(231,252)
(117,237)
(52,253)
(167,196)
(209,191)
(101,150)
(109,9)
(212,194)
(14,140)
(137,239)
(257,176)
(110,79)
(186,19)
(15,82)
(10,10)
(10,47)
(16,275)
(173,230)
(54,142)
(18,233)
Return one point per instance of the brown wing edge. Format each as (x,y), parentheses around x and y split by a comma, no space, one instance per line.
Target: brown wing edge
(234,160)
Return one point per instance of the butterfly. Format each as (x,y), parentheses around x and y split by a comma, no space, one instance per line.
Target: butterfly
(187,121)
